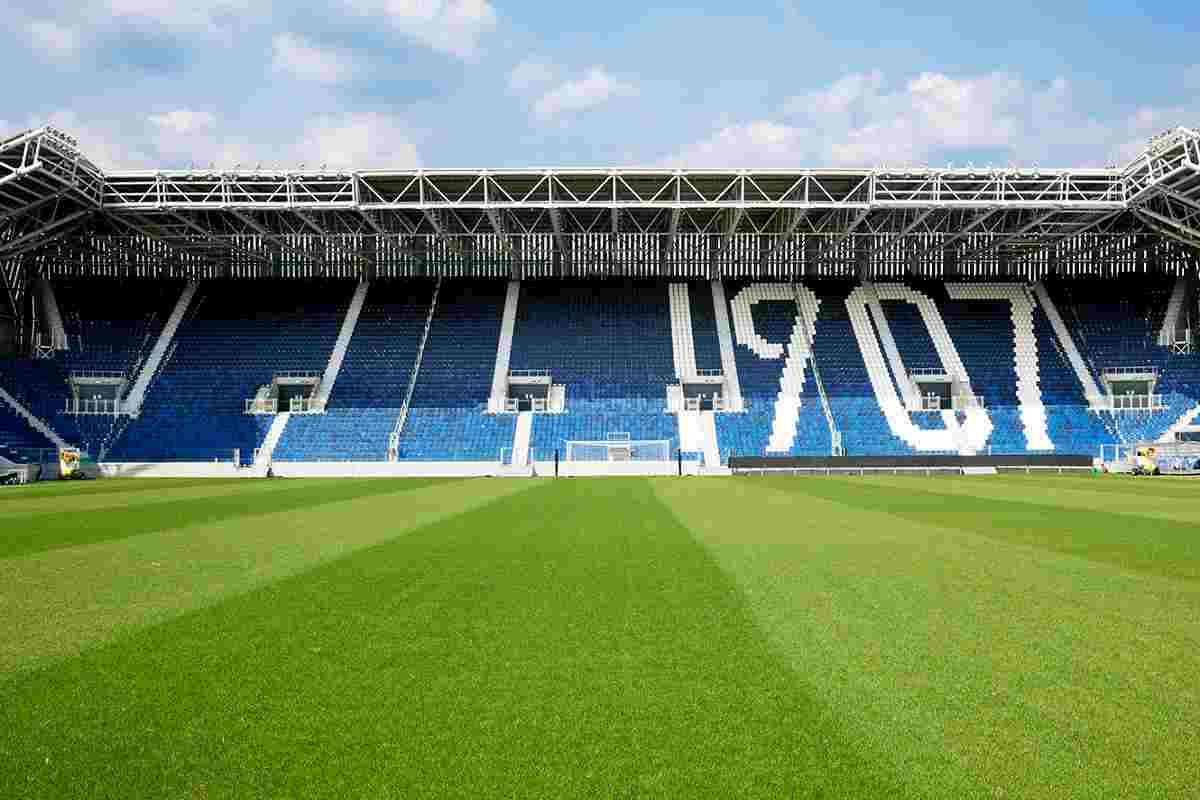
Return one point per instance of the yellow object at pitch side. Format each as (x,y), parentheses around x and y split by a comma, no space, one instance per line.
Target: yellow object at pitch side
(68,462)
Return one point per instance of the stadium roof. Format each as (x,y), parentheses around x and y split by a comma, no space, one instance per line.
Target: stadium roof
(56,205)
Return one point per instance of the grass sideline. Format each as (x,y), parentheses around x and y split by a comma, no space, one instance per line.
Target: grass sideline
(874,636)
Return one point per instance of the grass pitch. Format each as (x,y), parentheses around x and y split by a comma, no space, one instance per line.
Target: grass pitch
(741,637)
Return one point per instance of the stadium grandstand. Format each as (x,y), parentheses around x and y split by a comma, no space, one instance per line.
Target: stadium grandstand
(628,321)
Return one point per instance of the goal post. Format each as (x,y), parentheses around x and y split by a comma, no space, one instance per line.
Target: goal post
(619,450)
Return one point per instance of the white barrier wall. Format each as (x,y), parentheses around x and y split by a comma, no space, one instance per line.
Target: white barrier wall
(182,469)
(385,469)
(469,469)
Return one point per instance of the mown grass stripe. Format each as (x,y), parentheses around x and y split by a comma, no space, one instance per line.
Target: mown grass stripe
(36,532)
(1164,486)
(1166,547)
(568,641)
(56,603)
(1116,496)
(32,491)
(67,499)
(978,667)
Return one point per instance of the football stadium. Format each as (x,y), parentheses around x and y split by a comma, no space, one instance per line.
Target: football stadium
(599,482)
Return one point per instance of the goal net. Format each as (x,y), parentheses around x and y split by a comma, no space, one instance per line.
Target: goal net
(619,447)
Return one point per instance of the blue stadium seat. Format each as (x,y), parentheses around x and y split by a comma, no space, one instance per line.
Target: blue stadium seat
(235,338)
(446,419)
(609,344)
(1115,324)
(370,389)
(749,433)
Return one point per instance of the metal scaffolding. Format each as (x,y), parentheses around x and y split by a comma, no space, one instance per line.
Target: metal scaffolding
(1163,186)
(61,215)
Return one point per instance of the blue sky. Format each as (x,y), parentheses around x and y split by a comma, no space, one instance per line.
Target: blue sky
(506,83)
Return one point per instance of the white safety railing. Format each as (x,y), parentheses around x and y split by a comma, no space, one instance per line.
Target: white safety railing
(930,372)
(709,373)
(303,405)
(97,375)
(93,406)
(528,373)
(1181,345)
(1136,402)
(1143,369)
(962,401)
(263,405)
(307,375)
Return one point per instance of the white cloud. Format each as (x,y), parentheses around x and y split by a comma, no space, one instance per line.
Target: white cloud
(59,29)
(358,141)
(752,144)
(840,96)
(56,42)
(867,123)
(184,137)
(104,141)
(860,120)
(453,27)
(305,60)
(183,121)
(182,14)
(530,74)
(594,89)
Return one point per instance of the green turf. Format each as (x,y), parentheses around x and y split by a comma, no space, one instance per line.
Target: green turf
(49,528)
(742,637)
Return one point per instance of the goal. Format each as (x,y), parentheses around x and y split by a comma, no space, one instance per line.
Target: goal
(619,447)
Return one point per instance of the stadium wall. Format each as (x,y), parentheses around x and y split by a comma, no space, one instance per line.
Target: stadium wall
(168,469)
(384,469)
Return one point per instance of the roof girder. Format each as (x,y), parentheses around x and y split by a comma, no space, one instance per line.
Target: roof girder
(1159,192)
